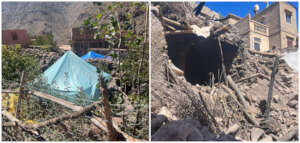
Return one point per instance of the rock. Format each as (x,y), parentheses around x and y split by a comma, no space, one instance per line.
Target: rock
(267,139)
(204,31)
(233,129)
(164,111)
(256,133)
(292,103)
(276,98)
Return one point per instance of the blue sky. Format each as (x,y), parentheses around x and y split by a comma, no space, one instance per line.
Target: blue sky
(240,8)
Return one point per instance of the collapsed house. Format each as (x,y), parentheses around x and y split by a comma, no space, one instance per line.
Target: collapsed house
(206,85)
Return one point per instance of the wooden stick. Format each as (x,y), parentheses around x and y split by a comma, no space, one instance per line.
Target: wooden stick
(9,91)
(20,96)
(243,109)
(23,125)
(222,60)
(9,124)
(57,100)
(252,76)
(262,53)
(237,91)
(172,22)
(233,129)
(65,117)
(170,27)
(208,112)
(274,71)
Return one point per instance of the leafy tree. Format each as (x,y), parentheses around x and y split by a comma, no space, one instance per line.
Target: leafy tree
(14,63)
(132,67)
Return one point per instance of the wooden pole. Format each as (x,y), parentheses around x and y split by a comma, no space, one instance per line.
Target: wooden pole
(222,60)
(274,71)
(20,96)
(237,91)
(111,132)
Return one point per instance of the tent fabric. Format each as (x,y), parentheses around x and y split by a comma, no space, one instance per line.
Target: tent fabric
(70,76)
(93,55)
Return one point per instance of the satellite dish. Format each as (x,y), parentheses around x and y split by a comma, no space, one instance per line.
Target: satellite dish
(256,8)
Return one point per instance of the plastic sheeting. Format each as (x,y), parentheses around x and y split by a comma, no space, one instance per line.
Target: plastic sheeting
(71,76)
(93,55)
(292,60)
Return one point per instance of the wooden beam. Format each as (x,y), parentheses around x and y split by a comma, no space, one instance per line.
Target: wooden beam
(65,117)
(9,91)
(270,93)
(105,49)
(18,107)
(178,32)
(57,100)
(23,126)
(262,53)
(172,22)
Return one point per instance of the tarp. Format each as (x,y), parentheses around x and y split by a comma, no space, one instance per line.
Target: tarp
(93,55)
(292,60)
(69,77)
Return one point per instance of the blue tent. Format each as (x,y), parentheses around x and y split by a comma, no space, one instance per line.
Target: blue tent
(71,76)
(93,55)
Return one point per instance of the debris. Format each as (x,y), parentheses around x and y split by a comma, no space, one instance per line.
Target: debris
(256,133)
(266,139)
(233,129)
(165,112)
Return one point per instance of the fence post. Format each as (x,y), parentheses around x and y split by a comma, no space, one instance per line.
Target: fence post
(21,90)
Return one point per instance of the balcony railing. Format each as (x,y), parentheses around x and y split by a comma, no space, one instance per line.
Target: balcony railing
(261,28)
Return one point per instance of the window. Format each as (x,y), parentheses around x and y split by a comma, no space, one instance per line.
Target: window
(15,36)
(256,44)
(288,16)
(289,42)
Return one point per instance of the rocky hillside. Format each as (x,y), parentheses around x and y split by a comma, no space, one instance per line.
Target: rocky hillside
(39,18)
(55,17)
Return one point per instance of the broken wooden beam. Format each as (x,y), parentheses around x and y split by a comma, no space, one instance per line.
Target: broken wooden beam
(222,61)
(172,22)
(170,27)
(111,132)
(237,91)
(9,91)
(65,117)
(57,100)
(262,53)
(21,89)
(23,126)
(242,108)
(270,93)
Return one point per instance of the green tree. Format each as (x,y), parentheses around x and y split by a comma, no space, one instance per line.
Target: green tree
(132,70)
(14,63)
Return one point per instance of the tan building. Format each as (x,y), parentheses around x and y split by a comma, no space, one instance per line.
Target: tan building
(273,27)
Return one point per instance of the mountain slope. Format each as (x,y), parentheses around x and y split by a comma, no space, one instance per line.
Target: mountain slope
(45,17)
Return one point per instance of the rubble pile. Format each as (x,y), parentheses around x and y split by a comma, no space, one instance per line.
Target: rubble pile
(45,57)
(231,107)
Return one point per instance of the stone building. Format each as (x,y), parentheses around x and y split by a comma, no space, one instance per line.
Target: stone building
(275,27)
(82,41)
(16,36)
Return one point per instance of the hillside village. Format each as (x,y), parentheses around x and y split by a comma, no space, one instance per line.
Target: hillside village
(223,78)
(75,83)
